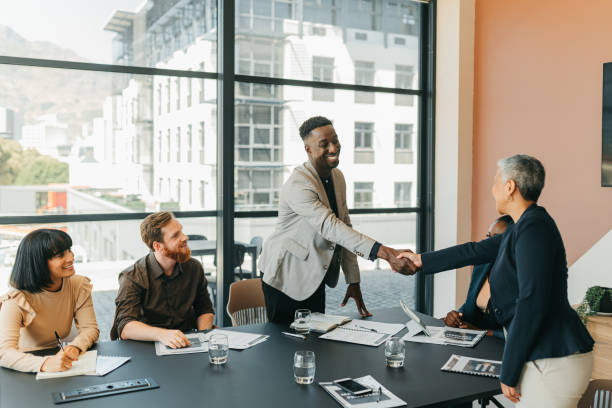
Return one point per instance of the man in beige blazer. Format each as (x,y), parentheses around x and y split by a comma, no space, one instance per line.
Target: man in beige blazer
(313,236)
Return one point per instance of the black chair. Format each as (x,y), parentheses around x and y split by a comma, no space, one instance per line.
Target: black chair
(196,237)
(258,242)
(237,261)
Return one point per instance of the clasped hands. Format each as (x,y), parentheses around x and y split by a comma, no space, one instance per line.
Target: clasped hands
(403,261)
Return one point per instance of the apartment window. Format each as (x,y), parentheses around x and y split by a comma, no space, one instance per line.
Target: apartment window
(322,70)
(319,31)
(399,41)
(169,189)
(189,85)
(361,36)
(403,194)
(189,191)
(169,146)
(160,186)
(168,96)
(364,147)
(201,138)
(364,75)
(364,192)
(178,145)
(159,99)
(189,143)
(179,185)
(201,94)
(261,58)
(404,153)
(159,146)
(178,93)
(202,200)
(258,188)
(257,133)
(404,76)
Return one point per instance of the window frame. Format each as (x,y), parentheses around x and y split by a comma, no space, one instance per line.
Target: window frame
(226,79)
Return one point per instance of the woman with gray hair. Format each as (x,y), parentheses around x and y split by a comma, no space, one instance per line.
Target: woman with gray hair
(548,357)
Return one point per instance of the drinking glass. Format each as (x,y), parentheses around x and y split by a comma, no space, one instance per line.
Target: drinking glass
(301,324)
(218,349)
(395,352)
(304,367)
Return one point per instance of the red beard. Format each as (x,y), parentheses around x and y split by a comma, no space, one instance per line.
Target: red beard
(180,255)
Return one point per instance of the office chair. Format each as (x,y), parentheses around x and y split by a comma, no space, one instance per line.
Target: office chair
(246,304)
(597,395)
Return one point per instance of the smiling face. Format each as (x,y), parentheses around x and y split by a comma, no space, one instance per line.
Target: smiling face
(175,242)
(323,148)
(61,265)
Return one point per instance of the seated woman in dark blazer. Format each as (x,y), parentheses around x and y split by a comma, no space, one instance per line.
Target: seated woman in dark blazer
(548,357)
(474,313)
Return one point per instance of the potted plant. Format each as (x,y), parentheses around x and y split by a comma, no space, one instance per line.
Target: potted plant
(597,299)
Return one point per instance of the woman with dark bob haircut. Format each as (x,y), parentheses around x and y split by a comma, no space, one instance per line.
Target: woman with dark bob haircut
(46,296)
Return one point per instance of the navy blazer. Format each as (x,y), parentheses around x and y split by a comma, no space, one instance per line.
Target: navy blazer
(471,312)
(528,290)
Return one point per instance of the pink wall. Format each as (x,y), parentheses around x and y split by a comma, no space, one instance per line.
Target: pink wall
(538,90)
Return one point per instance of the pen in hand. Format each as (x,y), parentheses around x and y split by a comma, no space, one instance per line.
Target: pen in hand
(57,337)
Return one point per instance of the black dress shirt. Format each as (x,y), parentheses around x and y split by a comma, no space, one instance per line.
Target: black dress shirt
(146,294)
(528,290)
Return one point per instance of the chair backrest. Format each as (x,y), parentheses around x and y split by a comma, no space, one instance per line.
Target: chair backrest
(246,303)
(258,241)
(597,395)
(237,256)
(196,237)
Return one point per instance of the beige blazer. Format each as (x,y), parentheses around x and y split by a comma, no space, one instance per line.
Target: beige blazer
(296,256)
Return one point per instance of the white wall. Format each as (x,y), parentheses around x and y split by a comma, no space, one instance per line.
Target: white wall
(591,269)
(454,116)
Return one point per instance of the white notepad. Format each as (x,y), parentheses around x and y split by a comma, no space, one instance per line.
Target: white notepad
(106,364)
(86,364)
(239,340)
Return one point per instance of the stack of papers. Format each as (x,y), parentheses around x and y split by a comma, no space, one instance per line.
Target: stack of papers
(365,332)
(443,335)
(239,340)
(473,366)
(380,397)
(322,323)
(199,344)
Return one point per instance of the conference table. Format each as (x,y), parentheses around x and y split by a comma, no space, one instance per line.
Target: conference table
(262,376)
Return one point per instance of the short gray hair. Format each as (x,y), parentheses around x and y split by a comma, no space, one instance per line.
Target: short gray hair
(526,171)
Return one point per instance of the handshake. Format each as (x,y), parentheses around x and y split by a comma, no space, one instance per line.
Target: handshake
(403,261)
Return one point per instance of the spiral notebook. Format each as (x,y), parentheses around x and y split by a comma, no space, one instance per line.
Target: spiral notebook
(473,366)
(365,332)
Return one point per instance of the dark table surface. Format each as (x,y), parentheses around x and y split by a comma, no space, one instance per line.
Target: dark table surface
(262,376)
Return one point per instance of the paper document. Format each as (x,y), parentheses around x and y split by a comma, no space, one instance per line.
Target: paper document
(322,323)
(374,327)
(239,340)
(380,397)
(452,336)
(106,364)
(199,344)
(473,366)
(356,336)
(86,364)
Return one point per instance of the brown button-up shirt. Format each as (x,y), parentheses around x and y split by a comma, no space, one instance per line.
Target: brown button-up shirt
(146,294)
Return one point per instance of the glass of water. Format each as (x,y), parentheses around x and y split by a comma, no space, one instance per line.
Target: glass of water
(304,367)
(395,351)
(301,324)
(218,349)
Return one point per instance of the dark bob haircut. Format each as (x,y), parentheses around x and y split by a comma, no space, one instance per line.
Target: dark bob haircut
(31,272)
(310,124)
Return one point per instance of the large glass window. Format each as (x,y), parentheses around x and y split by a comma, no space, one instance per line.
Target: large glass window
(131,128)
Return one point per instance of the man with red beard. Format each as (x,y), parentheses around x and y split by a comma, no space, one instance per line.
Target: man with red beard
(165,292)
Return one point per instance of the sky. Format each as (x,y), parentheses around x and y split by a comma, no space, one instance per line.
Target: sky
(73,24)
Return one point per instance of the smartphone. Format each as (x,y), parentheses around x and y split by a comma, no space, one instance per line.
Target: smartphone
(352,386)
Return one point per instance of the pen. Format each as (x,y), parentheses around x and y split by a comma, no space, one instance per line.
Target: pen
(57,337)
(300,336)
(367,328)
